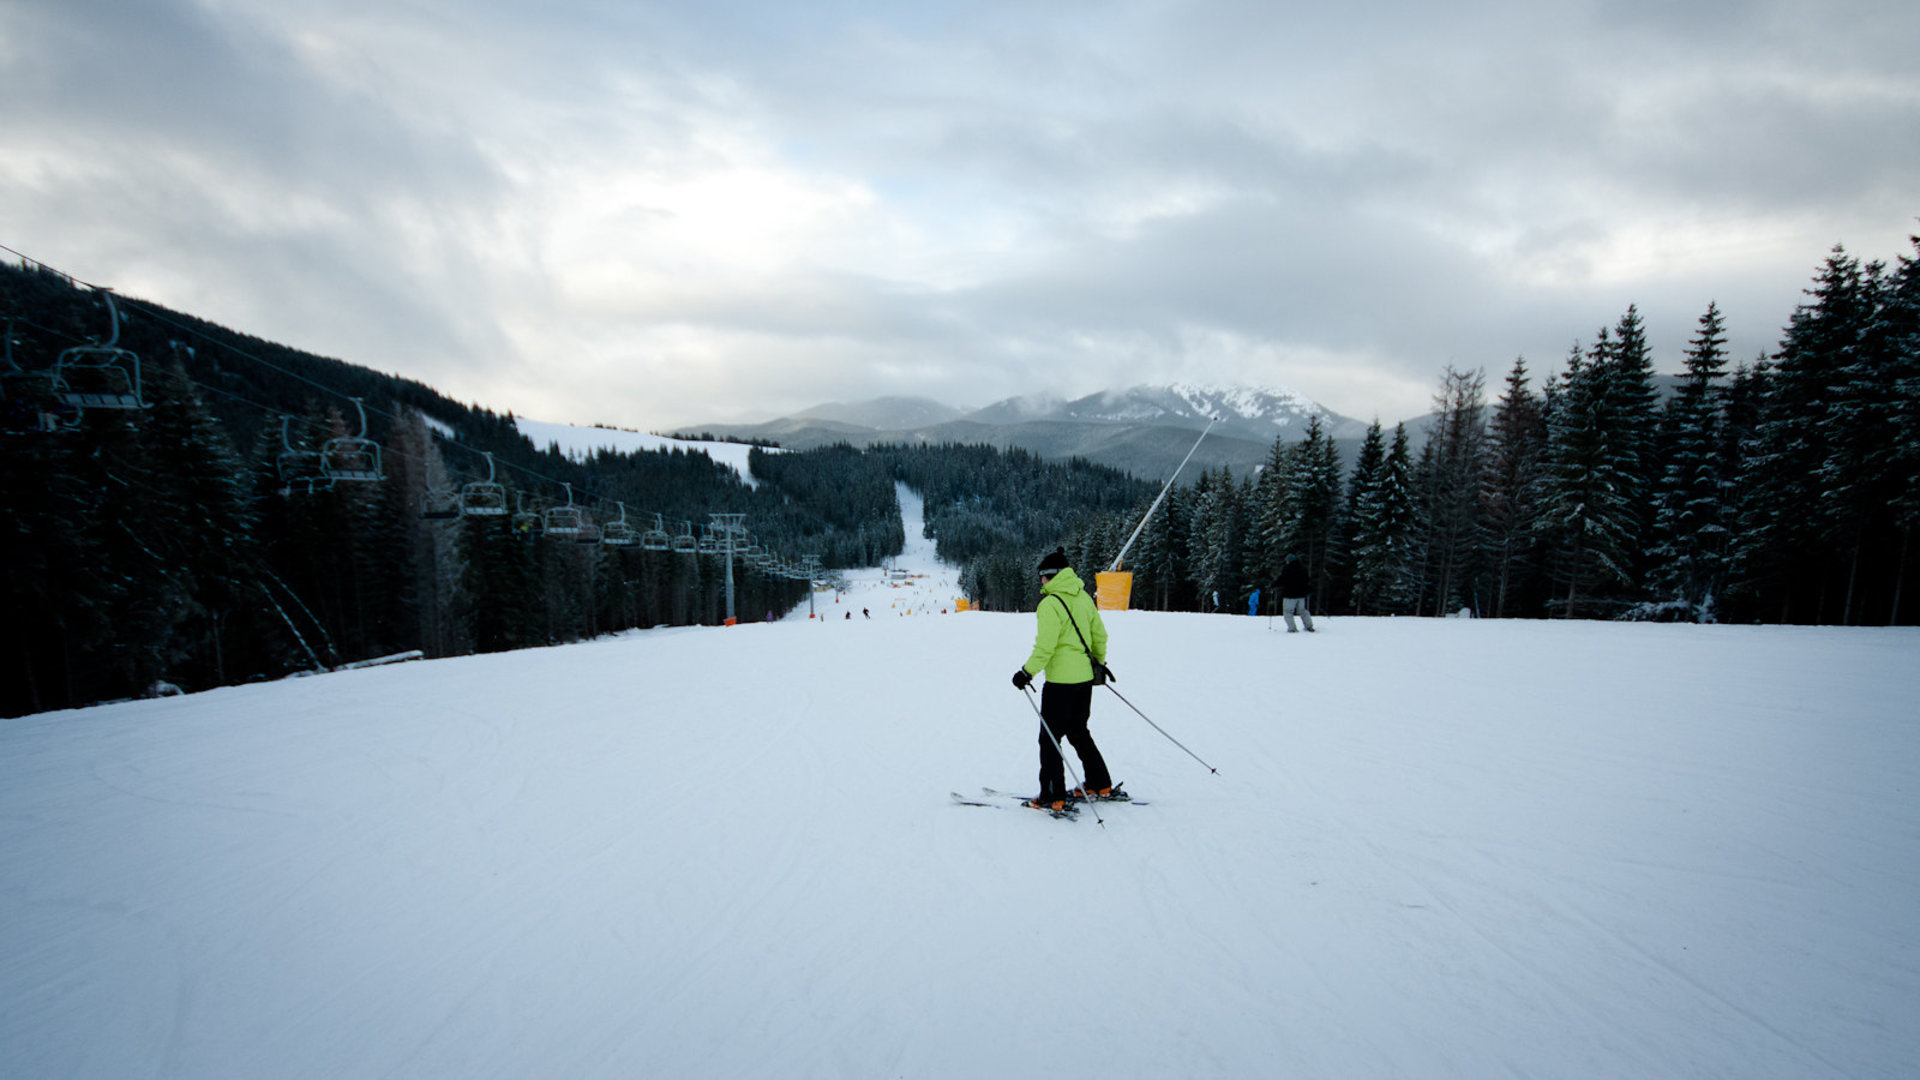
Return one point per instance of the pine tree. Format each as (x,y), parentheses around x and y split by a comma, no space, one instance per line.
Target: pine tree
(1861,430)
(1690,529)
(1360,515)
(1898,327)
(1163,582)
(1453,465)
(1587,507)
(1786,518)
(1383,552)
(1636,405)
(1220,528)
(198,516)
(58,589)
(1516,449)
(1314,494)
(1272,513)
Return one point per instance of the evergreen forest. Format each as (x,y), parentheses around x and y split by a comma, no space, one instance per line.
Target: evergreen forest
(1781,490)
(192,507)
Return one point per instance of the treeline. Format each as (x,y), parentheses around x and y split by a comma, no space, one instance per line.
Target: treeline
(146,553)
(195,541)
(1785,490)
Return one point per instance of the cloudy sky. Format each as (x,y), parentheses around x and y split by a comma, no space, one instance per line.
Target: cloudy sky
(657,214)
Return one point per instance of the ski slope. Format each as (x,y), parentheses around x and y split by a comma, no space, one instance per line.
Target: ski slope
(1434,848)
(580,443)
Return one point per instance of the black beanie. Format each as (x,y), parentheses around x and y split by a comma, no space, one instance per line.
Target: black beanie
(1055,562)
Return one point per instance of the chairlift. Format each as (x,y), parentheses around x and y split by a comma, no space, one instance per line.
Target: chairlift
(684,541)
(101,375)
(656,538)
(565,520)
(711,542)
(352,457)
(484,498)
(296,467)
(619,533)
(526,522)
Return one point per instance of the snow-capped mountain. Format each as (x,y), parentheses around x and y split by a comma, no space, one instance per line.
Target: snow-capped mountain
(1146,430)
(1245,411)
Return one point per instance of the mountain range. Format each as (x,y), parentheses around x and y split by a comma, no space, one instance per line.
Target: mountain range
(1143,430)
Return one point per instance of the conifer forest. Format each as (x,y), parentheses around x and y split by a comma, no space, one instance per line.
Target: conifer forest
(190,507)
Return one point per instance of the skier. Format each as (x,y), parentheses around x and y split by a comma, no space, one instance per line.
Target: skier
(1070,646)
(1293,593)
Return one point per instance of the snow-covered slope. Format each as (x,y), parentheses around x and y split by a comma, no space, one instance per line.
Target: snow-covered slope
(1434,848)
(583,442)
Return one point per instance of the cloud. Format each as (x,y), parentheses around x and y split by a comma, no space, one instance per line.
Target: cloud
(659,214)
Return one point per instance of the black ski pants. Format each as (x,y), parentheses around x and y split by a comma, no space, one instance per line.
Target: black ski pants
(1066,707)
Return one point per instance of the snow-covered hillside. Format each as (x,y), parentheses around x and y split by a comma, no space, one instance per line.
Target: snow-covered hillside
(1434,848)
(583,442)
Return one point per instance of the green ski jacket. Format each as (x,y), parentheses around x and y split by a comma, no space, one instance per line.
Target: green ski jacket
(1056,647)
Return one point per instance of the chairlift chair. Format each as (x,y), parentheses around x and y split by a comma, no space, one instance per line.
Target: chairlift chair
(565,520)
(684,541)
(526,522)
(101,375)
(296,467)
(619,533)
(352,457)
(656,538)
(484,498)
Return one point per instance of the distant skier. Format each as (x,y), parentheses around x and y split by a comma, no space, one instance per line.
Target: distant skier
(1293,593)
(1070,646)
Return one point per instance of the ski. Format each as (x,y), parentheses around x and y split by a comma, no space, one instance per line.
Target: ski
(1117,796)
(1072,810)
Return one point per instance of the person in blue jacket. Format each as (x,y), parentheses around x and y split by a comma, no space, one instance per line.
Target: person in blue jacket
(1070,646)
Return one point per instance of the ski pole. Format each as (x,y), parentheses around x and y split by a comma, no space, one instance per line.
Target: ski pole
(1158,728)
(1062,751)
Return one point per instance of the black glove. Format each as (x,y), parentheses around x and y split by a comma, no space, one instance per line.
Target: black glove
(1102,674)
(1021,680)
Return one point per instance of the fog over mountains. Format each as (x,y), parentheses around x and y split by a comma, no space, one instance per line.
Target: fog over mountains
(1145,430)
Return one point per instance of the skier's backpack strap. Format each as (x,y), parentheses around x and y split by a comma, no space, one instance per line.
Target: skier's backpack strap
(1101,673)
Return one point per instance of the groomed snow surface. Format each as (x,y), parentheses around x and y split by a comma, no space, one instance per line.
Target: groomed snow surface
(580,443)
(1434,848)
